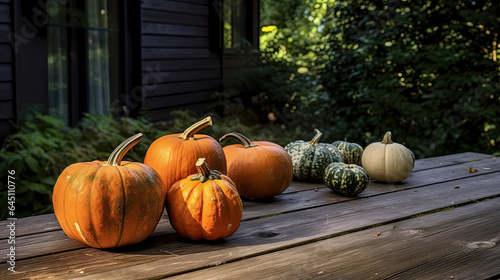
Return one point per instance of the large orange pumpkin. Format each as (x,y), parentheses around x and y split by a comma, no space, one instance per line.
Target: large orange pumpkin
(259,169)
(110,203)
(204,205)
(174,156)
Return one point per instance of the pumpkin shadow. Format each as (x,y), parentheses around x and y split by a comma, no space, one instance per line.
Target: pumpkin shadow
(165,241)
(268,225)
(259,231)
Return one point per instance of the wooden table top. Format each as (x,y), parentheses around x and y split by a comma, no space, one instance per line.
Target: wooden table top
(442,222)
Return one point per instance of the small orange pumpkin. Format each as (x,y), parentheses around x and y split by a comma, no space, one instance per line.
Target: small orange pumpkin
(110,203)
(174,156)
(205,205)
(259,169)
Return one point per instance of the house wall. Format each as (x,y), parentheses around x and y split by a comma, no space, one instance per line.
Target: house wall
(175,44)
(6,88)
(180,67)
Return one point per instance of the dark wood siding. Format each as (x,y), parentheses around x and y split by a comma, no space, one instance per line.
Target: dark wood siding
(179,68)
(6,70)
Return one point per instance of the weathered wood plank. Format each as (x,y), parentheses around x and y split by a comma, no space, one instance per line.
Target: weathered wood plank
(172,101)
(172,6)
(5,72)
(4,31)
(180,76)
(6,110)
(403,250)
(171,29)
(175,65)
(452,169)
(182,87)
(154,16)
(265,235)
(45,223)
(161,41)
(441,161)
(161,54)
(5,91)
(5,53)
(298,196)
(5,13)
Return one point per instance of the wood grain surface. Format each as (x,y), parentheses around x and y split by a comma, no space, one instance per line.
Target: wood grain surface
(438,223)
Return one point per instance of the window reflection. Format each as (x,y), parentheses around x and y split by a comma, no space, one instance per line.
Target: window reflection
(57,47)
(103,54)
(100,46)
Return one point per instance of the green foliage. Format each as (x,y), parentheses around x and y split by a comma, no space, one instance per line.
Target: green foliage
(427,71)
(422,69)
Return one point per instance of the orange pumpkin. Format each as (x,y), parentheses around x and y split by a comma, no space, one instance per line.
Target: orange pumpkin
(259,169)
(174,156)
(205,205)
(110,203)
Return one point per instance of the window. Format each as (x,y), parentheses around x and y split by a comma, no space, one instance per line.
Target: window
(83,51)
(238,25)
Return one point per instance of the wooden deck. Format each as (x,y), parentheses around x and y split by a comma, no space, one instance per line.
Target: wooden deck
(442,222)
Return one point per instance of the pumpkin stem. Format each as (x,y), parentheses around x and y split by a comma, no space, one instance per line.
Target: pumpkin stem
(204,172)
(117,155)
(241,138)
(315,140)
(193,129)
(387,138)
(203,167)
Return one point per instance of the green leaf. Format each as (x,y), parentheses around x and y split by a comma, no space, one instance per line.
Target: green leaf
(32,164)
(39,188)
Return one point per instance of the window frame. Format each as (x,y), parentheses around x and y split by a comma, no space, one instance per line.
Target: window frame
(31,54)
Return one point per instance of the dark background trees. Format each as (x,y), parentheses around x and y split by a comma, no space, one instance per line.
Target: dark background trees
(426,70)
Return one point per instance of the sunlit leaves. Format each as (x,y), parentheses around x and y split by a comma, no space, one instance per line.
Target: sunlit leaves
(399,64)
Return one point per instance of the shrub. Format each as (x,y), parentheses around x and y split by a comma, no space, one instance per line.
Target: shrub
(426,70)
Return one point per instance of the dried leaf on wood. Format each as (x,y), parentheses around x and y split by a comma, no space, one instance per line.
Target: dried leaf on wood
(471,170)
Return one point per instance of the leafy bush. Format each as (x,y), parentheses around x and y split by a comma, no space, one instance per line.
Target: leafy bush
(426,70)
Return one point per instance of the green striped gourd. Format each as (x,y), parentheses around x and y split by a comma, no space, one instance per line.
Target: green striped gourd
(310,159)
(346,179)
(351,152)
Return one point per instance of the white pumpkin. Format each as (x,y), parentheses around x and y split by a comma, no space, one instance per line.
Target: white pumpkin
(387,161)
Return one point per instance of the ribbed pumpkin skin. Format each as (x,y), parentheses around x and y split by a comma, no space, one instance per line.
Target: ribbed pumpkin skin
(309,161)
(174,158)
(387,161)
(351,152)
(210,210)
(262,171)
(108,206)
(346,179)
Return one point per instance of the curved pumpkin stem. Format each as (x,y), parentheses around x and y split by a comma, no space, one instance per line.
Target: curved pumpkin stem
(315,140)
(387,138)
(193,129)
(204,172)
(203,167)
(241,138)
(115,158)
